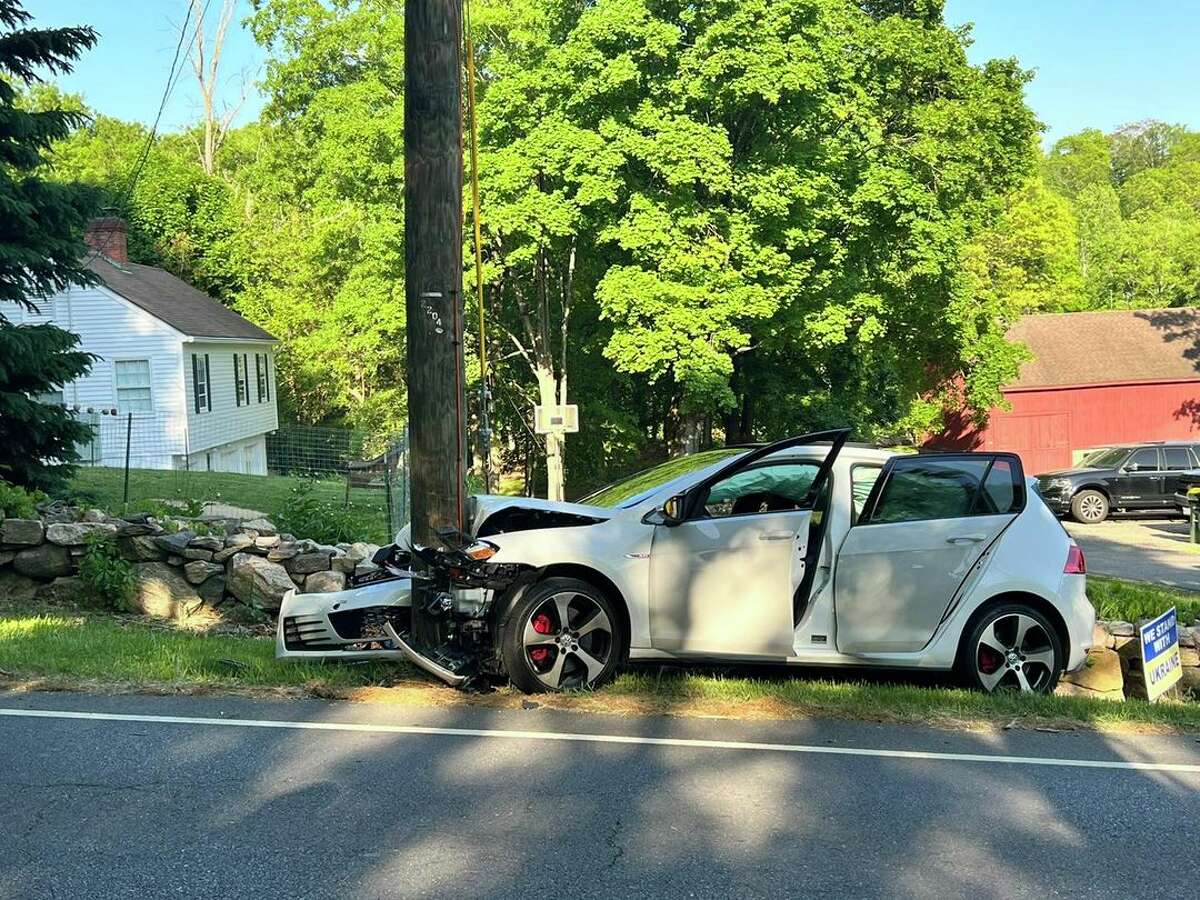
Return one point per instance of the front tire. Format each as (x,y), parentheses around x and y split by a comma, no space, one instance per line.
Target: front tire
(1012,646)
(561,634)
(1089,507)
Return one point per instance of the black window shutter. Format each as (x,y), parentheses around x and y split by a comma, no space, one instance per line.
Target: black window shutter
(237,379)
(195,383)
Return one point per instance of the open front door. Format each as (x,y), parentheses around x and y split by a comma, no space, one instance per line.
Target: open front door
(724,578)
(928,521)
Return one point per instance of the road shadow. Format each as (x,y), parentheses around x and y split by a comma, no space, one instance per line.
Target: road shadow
(135,809)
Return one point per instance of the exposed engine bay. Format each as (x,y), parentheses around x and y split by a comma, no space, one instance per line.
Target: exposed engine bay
(461,593)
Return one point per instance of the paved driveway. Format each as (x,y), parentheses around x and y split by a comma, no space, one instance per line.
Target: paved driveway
(1142,549)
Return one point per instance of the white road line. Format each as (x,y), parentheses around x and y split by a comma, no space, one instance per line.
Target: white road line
(502,734)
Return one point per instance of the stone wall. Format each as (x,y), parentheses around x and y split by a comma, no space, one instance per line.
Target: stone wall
(1114,667)
(185,567)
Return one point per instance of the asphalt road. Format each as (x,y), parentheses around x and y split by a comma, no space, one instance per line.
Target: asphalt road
(1151,548)
(376,801)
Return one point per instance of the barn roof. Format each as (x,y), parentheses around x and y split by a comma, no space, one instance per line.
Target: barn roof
(1109,346)
(174,301)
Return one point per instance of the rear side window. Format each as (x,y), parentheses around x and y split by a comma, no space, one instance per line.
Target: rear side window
(999,489)
(1176,459)
(931,487)
(862,479)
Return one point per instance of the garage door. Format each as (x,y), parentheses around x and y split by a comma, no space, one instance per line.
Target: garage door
(1043,440)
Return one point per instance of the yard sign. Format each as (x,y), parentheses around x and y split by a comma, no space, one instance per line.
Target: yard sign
(1161,665)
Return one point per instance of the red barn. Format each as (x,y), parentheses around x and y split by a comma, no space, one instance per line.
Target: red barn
(1096,378)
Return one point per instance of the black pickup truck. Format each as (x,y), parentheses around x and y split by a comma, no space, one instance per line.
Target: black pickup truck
(1124,478)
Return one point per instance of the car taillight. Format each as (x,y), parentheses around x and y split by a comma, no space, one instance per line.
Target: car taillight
(1075,561)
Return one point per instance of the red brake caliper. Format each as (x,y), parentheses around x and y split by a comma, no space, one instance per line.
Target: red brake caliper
(989,660)
(542,625)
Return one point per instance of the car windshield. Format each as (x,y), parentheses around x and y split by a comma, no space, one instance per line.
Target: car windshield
(636,488)
(1106,459)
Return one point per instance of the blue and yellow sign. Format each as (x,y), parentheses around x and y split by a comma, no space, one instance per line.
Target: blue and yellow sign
(1161,665)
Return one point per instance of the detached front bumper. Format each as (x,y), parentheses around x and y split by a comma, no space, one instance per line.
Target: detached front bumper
(344,624)
(368,622)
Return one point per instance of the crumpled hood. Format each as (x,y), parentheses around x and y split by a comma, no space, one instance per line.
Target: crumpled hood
(481,506)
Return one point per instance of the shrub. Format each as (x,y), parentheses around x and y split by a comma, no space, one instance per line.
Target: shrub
(108,577)
(18,503)
(306,515)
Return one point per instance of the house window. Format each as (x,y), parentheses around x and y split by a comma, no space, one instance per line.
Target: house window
(50,398)
(133,386)
(260,369)
(201,384)
(241,384)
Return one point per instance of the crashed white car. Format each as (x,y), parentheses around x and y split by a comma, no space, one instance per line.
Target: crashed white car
(808,551)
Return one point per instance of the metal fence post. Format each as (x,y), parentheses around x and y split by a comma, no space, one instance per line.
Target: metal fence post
(128,441)
(387,494)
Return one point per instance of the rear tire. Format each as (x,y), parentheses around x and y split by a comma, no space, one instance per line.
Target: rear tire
(561,634)
(1012,646)
(1089,507)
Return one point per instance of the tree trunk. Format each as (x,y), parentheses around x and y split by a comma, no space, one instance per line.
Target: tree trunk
(548,395)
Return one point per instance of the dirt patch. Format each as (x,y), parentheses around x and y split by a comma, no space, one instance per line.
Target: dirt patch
(423,693)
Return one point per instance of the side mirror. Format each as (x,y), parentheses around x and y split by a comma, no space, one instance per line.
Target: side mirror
(1132,467)
(669,514)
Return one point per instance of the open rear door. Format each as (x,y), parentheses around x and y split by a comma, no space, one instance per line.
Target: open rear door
(928,521)
(724,576)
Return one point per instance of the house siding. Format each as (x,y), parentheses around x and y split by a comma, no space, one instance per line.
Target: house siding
(230,438)
(1048,427)
(114,329)
(228,424)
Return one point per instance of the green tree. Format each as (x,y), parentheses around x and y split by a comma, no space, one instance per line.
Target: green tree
(40,252)
(1141,146)
(1079,161)
(769,190)
(321,193)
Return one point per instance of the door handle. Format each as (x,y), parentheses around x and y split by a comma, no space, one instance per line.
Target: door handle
(967,539)
(776,536)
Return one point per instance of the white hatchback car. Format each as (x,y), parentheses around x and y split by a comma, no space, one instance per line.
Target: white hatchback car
(808,551)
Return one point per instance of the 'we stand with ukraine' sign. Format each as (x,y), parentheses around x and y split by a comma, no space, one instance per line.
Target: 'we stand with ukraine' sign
(1161,664)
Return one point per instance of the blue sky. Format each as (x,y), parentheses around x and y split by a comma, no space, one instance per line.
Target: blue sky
(1100,63)
(125,73)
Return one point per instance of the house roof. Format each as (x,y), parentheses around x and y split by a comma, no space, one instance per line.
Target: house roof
(174,301)
(1109,346)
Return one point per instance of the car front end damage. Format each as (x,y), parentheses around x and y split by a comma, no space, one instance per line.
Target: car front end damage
(372,619)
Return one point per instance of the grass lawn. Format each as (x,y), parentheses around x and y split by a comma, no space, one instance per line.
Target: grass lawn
(99,651)
(98,646)
(1133,600)
(265,493)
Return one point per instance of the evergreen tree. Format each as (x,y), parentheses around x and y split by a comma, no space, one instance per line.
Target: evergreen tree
(40,253)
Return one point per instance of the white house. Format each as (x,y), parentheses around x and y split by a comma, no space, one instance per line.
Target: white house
(181,379)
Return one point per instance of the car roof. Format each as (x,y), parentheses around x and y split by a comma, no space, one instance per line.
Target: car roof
(1136,444)
(856,452)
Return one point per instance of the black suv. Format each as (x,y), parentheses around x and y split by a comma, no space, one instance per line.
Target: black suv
(1125,477)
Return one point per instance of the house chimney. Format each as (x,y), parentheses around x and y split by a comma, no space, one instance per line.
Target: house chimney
(107,235)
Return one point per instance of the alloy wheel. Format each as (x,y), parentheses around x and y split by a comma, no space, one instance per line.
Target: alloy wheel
(1091,508)
(567,640)
(1015,651)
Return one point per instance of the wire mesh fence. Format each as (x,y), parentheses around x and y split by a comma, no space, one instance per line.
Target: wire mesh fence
(144,463)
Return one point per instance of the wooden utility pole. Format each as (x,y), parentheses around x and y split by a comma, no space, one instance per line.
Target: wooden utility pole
(433,274)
